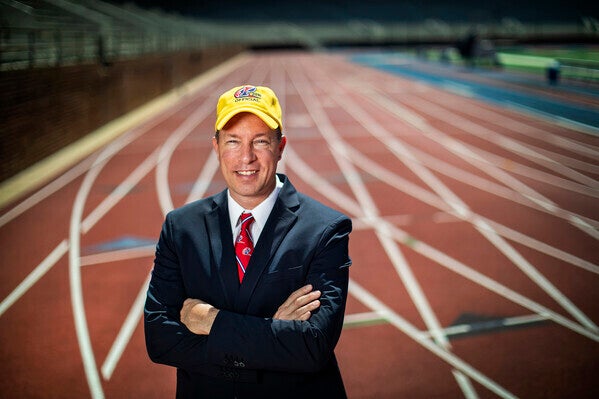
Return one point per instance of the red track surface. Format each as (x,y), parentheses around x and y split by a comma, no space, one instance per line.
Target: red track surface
(460,208)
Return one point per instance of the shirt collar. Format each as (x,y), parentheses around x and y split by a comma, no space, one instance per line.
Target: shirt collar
(260,213)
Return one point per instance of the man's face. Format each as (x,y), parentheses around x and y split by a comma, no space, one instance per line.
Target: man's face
(248,152)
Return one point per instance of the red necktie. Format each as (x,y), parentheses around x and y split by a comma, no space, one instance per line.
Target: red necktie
(244,245)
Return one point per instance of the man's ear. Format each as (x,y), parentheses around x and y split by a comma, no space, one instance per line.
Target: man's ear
(282,144)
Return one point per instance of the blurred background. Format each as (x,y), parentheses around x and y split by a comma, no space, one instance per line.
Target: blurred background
(68,67)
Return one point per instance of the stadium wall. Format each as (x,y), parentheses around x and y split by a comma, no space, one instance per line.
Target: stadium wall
(45,109)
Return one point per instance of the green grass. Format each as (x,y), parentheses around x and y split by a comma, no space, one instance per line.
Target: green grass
(576,62)
(575,53)
(580,63)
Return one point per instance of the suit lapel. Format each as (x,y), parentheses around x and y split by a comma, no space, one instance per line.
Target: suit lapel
(221,245)
(281,220)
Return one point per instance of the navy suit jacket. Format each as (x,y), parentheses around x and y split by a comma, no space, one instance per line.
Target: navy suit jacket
(248,354)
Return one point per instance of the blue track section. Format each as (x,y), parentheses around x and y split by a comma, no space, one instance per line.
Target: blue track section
(504,96)
(119,243)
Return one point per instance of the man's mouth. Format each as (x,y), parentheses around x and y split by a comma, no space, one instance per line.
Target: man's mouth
(247,172)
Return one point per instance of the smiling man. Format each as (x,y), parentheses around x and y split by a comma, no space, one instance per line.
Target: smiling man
(249,286)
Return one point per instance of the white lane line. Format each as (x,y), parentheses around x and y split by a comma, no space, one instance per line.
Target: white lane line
(542,247)
(124,336)
(412,285)
(33,277)
(314,179)
(443,114)
(484,281)
(494,188)
(370,301)
(510,166)
(77,304)
(367,204)
(38,272)
(70,175)
(460,207)
(522,128)
(364,319)
(306,173)
(168,148)
(47,190)
(118,255)
(559,120)
(120,191)
(515,321)
(465,384)
(566,160)
(477,160)
(79,315)
(536,174)
(420,194)
(536,276)
(204,179)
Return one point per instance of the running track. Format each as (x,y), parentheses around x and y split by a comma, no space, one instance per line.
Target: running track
(475,254)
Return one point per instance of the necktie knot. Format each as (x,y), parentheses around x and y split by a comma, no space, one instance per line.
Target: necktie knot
(246,219)
(244,245)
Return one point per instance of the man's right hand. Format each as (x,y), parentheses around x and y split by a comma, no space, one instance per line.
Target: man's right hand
(299,305)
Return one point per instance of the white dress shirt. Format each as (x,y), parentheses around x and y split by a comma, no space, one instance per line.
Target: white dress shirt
(260,213)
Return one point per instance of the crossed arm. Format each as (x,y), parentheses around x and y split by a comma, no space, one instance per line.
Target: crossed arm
(198,316)
(300,336)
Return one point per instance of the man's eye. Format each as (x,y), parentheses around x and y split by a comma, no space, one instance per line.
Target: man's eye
(261,142)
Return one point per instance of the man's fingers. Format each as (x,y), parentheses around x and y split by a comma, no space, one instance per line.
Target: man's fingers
(305,299)
(299,305)
(305,316)
(308,308)
(297,294)
(297,313)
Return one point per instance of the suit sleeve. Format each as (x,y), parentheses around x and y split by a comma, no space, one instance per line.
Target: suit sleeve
(168,341)
(287,345)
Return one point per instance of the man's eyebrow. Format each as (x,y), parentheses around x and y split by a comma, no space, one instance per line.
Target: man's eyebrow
(236,136)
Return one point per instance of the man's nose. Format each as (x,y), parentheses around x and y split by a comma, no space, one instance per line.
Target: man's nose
(247,152)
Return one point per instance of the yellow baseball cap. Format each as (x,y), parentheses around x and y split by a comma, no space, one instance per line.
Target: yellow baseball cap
(259,100)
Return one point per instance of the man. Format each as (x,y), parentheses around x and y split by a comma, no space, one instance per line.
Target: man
(250,308)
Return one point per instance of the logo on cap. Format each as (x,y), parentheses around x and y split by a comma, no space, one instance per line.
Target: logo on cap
(247,91)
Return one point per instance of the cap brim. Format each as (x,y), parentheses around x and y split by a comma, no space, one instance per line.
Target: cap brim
(269,120)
